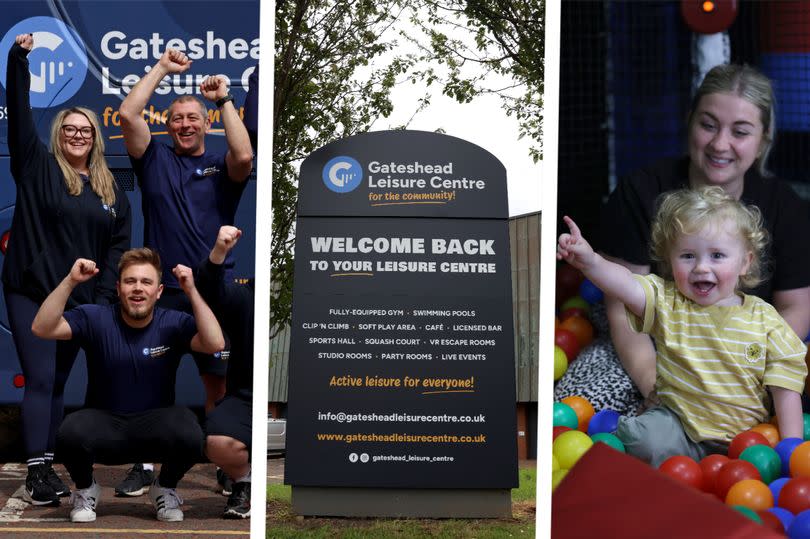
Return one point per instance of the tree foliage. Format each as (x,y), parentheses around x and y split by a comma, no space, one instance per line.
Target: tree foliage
(476,47)
(336,62)
(326,88)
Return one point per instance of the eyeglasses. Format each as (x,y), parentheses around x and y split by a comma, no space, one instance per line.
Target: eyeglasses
(71,130)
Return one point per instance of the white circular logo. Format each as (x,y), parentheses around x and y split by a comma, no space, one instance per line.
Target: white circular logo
(352,457)
(364,457)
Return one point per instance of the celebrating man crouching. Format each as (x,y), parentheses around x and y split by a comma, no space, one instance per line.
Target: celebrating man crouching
(133,350)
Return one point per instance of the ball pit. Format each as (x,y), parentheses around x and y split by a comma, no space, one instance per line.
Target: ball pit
(583,409)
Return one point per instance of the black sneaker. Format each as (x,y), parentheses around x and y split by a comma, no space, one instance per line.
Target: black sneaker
(53,480)
(224,482)
(238,505)
(37,490)
(136,482)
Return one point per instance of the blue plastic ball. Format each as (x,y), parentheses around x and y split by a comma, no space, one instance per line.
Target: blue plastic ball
(776,487)
(590,292)
(800,527)
(784,449)
(603,421)
(785,516)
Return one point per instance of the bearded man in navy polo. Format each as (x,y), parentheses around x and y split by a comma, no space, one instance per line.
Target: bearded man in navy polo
(132,350)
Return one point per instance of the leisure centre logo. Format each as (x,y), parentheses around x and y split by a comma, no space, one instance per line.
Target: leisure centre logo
(58,60)
(342,174)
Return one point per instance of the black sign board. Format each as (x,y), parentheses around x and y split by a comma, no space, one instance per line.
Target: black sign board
(402,356)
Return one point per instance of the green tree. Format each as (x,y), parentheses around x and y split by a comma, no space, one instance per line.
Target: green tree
(475,47)
(326,88)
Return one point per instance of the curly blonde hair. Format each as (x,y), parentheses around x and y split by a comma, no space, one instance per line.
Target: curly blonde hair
(688,211)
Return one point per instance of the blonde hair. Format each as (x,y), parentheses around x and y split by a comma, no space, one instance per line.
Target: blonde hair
(746,82)
(101,179)
(688,211)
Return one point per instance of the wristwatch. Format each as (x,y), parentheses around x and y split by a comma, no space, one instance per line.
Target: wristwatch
(222,100)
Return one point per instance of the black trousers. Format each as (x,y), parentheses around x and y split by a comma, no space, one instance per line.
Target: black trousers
(171,436)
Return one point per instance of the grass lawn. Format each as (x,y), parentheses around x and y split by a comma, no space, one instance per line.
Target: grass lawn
(283,524)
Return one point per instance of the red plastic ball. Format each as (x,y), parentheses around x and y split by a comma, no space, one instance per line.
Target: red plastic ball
(771,521)
(567,340)
(795,495)
(683,469)
(573,311)
(710,466)
(556,431)
(568,280)
(731,473)
(743,441)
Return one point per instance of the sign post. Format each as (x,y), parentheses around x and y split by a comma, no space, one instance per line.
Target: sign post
(402,375)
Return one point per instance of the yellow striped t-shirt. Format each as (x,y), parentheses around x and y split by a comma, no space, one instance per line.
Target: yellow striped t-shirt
(714,363)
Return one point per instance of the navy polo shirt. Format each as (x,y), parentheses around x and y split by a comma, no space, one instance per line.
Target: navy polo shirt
(186,200)
(128,369)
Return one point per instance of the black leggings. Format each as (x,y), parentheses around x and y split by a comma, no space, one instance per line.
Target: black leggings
(171,436)
(46,366)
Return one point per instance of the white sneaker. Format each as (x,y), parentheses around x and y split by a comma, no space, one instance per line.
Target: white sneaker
(84,503)
(167,502)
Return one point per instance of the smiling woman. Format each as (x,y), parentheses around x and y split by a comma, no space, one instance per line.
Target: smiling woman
(730,131)
(67,206)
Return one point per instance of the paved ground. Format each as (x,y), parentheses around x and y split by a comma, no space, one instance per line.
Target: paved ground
(121,517)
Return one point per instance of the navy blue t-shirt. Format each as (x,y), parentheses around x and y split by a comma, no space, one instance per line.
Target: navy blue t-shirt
(129,369)
(186,200)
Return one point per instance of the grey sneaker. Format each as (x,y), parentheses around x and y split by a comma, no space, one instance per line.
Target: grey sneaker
(167,502)
(84,503)
(238,505)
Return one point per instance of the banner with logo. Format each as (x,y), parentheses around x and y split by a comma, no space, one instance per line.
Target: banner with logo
(402,356)
(90,53)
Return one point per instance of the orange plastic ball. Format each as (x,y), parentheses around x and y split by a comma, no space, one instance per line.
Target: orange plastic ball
(583,409)
(800,460)
(581,328)
(750,493)
(769,431)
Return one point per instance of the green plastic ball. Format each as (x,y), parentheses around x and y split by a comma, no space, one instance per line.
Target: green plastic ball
(765,459)
(565,416)
(609,439)
(750,513)
(576,301)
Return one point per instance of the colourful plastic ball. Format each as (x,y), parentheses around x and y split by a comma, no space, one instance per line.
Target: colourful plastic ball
(771,521)
(556,477)
(555,464)
(560,363)
(564,416)
(569,447)
(800,526)
(582,408)
(576,301)
(806,420)
(765,459)
(710,465)
(581,328)
(785,449)
(590,292)
(744,440)
(556,431)
(733,472)
(749,513)
(784,516)
(567,282)
(795,495)
(603,421)
(573,311)
(776,487)
(609,439)
(683,469)
(800,460)
(750,493)
(769,431)
(567,342)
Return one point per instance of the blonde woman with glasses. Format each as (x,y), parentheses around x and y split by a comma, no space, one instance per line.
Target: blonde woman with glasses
(68,206)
